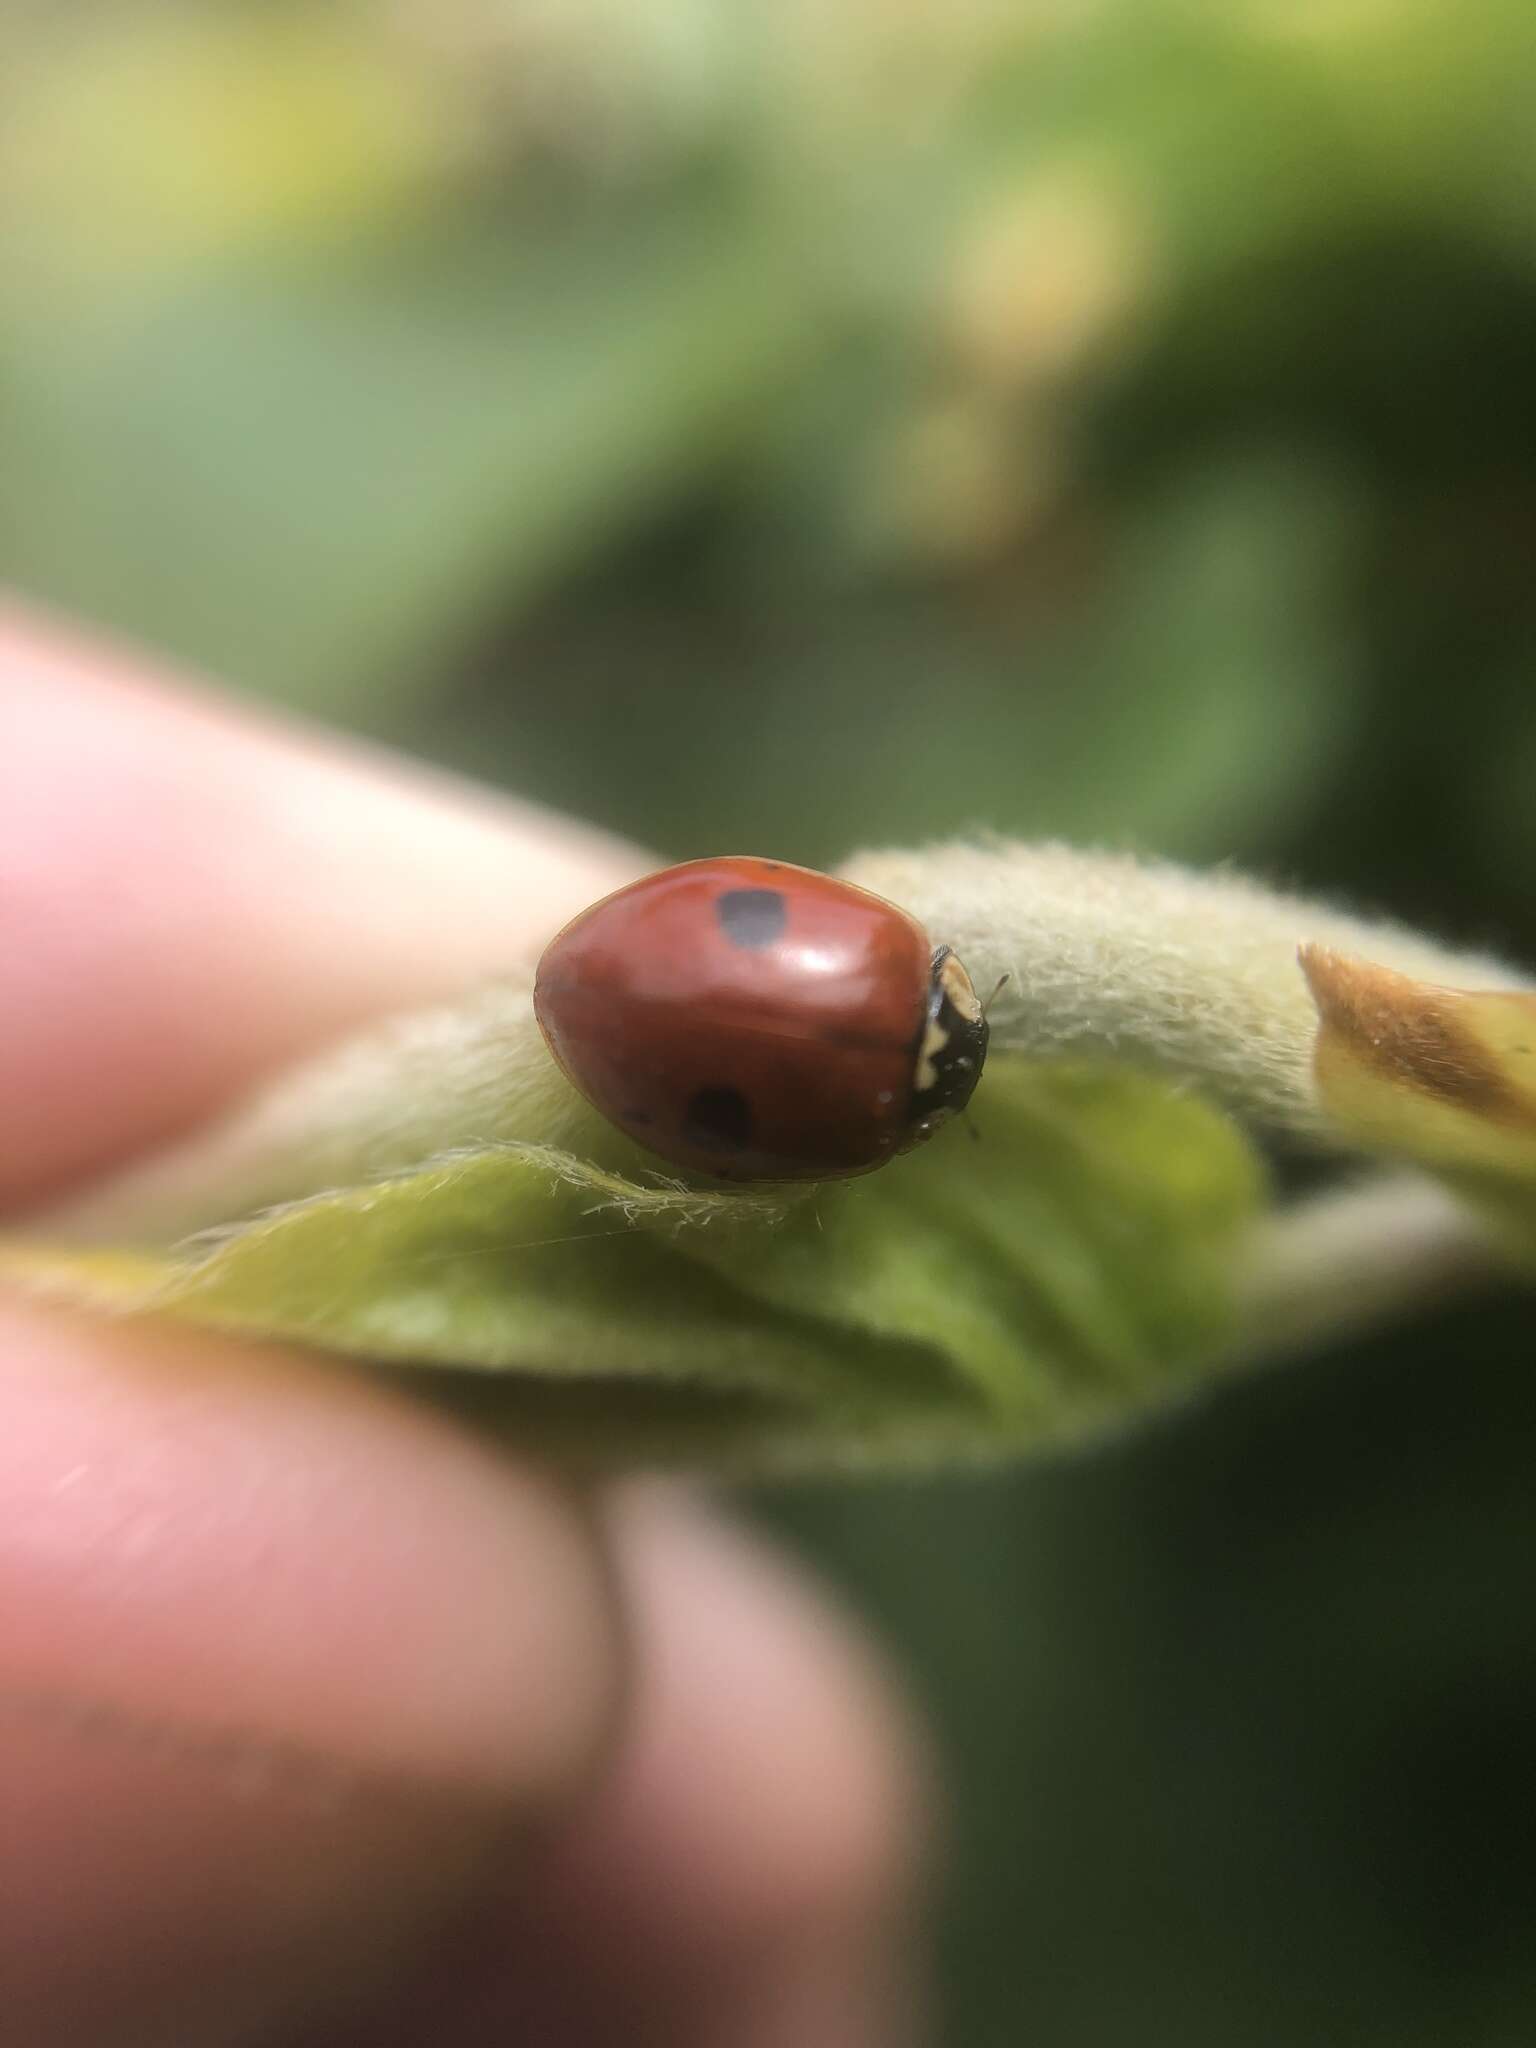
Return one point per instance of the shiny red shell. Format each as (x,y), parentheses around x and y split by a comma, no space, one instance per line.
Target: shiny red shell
(745,1018)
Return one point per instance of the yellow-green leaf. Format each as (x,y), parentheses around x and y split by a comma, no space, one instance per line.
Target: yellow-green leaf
(1069,1262)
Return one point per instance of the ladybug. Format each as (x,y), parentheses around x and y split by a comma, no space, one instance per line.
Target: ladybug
(758,1021)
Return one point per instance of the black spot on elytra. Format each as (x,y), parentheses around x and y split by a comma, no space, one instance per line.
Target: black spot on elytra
(718,1120)
(751,917)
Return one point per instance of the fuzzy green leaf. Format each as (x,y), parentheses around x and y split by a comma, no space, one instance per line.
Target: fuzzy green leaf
(1071,1262)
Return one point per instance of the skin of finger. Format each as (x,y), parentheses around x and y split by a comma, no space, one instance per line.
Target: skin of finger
(752,1873)
(150,1895)
(285,1660)
(193,892)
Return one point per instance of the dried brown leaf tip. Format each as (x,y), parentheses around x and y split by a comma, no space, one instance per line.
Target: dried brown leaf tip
(1443,1075)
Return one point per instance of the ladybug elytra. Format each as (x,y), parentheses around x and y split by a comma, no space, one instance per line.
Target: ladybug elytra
(758,1021)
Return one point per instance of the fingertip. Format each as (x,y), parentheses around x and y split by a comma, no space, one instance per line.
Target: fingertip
(196,891)
(751,1871)
(286,1660)
(777,1712)
(262,1539)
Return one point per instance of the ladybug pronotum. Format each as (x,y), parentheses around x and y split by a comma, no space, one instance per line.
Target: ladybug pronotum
(759,1021)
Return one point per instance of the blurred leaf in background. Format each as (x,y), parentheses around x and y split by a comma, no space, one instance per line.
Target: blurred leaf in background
(780,426)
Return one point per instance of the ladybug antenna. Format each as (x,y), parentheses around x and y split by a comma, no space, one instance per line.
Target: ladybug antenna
(1001,983)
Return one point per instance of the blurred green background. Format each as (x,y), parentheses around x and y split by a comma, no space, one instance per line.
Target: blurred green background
(794,425)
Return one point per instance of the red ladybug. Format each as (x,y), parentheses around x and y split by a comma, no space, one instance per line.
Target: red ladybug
(759,1021)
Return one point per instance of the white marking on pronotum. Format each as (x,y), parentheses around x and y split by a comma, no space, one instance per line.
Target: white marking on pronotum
(935,1038)
(960,989)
